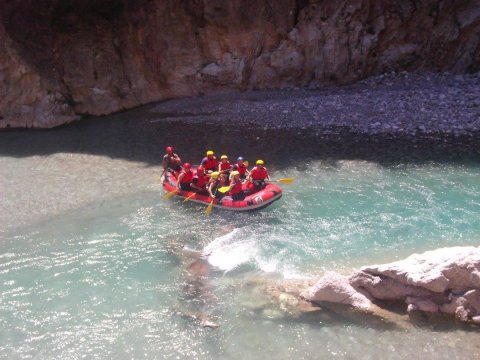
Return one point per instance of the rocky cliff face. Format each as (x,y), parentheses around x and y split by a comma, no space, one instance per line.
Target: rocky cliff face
(60,59)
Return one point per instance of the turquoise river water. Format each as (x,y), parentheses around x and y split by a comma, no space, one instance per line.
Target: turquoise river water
(90,260)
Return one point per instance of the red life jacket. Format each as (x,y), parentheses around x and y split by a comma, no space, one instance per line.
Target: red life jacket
(225,166)
(187,178)
(210,164)
(258,174)
(200,181)
(236,188)
(240,168)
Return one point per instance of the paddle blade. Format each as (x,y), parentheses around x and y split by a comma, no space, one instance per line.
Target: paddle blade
(245,163)
(209,208)
(286,180)
(188,198)
(169,195)
(224,189)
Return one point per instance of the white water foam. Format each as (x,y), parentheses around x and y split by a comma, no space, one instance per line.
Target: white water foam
(242,246)
(229,251)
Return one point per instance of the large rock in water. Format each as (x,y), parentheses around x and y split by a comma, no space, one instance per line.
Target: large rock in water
(63,58)
(445,280)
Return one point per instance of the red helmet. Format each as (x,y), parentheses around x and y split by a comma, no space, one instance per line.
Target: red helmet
(169,149)
(187,166)
(200,170)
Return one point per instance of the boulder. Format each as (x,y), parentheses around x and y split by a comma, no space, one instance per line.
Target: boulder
(439,281)
(336,288)
(454,269)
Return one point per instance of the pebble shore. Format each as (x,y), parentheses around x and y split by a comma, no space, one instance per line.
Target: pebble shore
(410,104)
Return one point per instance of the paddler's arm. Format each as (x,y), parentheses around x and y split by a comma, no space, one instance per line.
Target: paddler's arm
(177,159)
(165,163)
(180,177)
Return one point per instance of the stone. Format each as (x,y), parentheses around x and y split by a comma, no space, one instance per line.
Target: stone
(335,288)
(439,281)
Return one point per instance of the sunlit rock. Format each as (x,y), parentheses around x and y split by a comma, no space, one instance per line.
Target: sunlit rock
(439,281)
(336,288)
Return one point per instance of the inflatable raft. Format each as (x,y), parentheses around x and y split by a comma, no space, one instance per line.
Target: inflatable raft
(255,201)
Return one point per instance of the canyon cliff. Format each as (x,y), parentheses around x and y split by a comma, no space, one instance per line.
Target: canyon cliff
(62,59)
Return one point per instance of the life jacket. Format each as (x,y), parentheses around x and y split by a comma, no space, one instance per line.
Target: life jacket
(240,168)
(225,166)
(210,164)
(187,178)
(200,181)
(258,174)
(236,188)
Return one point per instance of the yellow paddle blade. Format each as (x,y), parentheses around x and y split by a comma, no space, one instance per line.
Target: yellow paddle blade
(286,180)
(224,189)
(186,199)
(169,195)
(245,163)
(209,208)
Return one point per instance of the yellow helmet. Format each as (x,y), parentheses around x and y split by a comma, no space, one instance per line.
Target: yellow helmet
(259,162)
(215,175)
(224,157)
(210,152)
(235,173)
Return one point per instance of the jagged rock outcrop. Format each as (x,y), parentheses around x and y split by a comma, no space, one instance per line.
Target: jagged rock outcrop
(445,280)
(65,58)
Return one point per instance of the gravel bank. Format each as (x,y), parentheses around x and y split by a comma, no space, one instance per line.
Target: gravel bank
(407,104)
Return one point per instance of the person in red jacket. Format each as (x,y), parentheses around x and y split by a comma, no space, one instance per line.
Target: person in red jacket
(258,175)
(199,182)
(185,178)
(236,189)
(224,168)
(209,162)
(241,168)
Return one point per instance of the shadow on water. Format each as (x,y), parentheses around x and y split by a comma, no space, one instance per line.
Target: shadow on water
(141,135)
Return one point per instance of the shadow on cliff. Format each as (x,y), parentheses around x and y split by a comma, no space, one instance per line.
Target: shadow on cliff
(141,135)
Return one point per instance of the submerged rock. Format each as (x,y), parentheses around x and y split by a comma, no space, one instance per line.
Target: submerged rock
(444,281)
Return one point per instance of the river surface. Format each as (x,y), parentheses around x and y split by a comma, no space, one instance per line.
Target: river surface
(91,260)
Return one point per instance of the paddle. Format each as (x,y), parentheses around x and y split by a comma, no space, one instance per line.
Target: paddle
(285,180)
(210,206)
(188,198)
(224,189)
(169,195)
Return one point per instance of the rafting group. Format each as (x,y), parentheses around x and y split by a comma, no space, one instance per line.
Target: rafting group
(220,183)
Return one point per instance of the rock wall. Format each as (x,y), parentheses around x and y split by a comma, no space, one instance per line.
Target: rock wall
(63,58)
